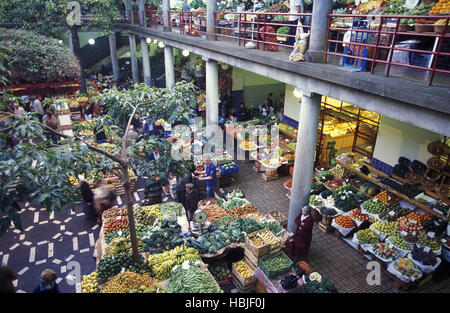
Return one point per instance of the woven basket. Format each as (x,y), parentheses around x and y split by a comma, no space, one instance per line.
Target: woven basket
(435,163)
(438,148)
(414,178)
(405,28)
(438,28)
(423,28)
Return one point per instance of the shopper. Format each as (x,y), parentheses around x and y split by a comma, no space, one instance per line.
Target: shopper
(180,188)
(210,178)
(303,235)
(27,101)
(88,200)
(88,112)
(153,190)
(293,19)
(47,283)
(132,136)
(18,109)
(103,198)
(266,109)
(37,107)
(192,199)
(7,276)
(51,121)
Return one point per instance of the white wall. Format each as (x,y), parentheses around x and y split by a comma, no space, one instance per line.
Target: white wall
(291,103)
(396,139)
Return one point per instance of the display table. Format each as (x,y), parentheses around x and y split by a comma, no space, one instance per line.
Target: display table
(266,285)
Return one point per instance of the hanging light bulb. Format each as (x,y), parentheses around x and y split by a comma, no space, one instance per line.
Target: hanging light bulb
(161,45)
(298,93)
(92,41)
(185,53)
(155,41)
(149,40)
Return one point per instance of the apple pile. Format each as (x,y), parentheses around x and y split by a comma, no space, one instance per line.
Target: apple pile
(411,226)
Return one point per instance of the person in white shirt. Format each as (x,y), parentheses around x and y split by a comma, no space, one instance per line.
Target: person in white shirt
(296,6)
(18,109)
(37,107)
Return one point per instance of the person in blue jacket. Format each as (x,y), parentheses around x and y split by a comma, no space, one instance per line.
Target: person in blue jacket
(154,156)
(210,178)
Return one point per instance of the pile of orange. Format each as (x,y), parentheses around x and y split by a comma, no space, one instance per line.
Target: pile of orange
(387,197)
(345,221)
(442,7)
(420,218)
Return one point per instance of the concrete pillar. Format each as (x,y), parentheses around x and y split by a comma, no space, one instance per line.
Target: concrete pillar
(114,60)
(319,25)
(212,93)
(146,62)
(141,12)
(211,6)
(170,68)
(304,156)
(166,9)
(134,62)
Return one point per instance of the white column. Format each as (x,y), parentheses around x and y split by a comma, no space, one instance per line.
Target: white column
(114,60)
(166,9)
(134,62)
(319,25)
(146,62)
(211,6)
(141,12)
(128,10)
(304,157)
(212,93)
(170,69)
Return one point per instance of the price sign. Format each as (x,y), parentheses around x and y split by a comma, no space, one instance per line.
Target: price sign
(443,241)
(404,233)
(389,198)
(207,203)
(426,249)
(413,233)
(119,232)
(391,213)
(112,257)
(390,246)
(375,200)
(413,221)
(431,234)
(342,197)
(119,218)
(123,270)
(344,183)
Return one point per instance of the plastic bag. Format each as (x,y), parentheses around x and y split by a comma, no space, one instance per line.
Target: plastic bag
(301,43)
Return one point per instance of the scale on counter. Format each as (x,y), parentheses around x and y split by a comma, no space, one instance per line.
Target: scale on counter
(198,223)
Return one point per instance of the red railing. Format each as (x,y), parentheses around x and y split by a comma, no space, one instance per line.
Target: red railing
(386,34)
(260,28)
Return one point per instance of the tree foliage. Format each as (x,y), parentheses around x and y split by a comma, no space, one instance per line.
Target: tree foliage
(35,58)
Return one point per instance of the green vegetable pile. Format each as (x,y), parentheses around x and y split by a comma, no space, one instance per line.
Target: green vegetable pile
(160,239)
(317,187)
(212,242)
(219,272)
(191,280)
(232,203)
(276,263)
(344,189)
(348,201)
(324,176)
(170,208)
(237,193)
(323,287)
(112,265)
(315,200)
(392,212)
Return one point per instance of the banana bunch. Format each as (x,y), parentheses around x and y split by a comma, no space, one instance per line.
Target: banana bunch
(120,244)
(163,263)
(89,283)
(73,180)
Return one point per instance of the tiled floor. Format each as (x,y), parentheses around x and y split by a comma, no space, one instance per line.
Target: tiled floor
(333,258)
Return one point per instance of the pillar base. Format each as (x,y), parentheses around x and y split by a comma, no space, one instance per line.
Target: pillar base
(315,56)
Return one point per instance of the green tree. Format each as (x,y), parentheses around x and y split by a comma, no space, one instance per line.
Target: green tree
(40,172)
(49,18)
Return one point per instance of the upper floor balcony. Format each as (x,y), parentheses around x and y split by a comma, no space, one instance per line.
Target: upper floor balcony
(378,44)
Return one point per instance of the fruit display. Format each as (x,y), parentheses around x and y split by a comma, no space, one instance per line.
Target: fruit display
(407,268)
(373,207)
(114,212)
(73,180)
(424,21)
(357,215)
(115,225)
(214,212)
(424,241)
(387,197)
(392,212)
(219,272)
(120,245)
(421,9)
(395,7)
(257,241)
(398,241)
(367,236)
(269,237)
(349,200)
(242,268)
(160,239)
(385,228)
(436,226)
(157,288)
(278,216)
(278,263)
(126,281)
(163,263)
(345,221)
(410,226)
(94,176)
(369,6)
(406,189)
(274,227)
(325,286)
(89,283)
(190,278)
(109,236)
(441,207)
(242,211)
(343,190)
(315,200)
(419,218)
(441,7)
(112,265)
(212,242)
(324,176)
(425,258)
(147,215)
(109,147)
(409,238)
(383,251)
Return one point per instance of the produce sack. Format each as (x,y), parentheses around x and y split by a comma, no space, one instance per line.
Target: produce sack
(425,268)
(301,43)
(343,231)
(391,269)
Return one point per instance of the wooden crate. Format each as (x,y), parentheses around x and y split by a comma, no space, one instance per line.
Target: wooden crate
(268,176)
(257,251)
(273,247)
(250,259)
(243,288)
(243,281)
(327,229)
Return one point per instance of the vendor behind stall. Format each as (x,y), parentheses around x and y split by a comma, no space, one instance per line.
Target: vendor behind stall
(210,178)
